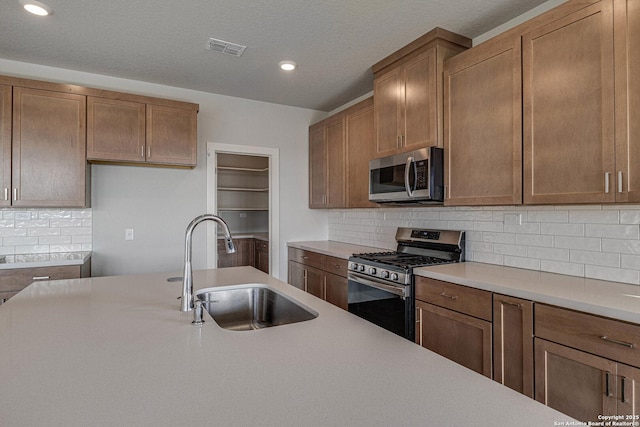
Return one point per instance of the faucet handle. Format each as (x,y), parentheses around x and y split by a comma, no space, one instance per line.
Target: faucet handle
(198,315)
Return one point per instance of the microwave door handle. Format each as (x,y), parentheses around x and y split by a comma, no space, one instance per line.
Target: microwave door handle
(407,171)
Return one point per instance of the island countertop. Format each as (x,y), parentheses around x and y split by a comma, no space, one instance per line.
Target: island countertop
(117,351)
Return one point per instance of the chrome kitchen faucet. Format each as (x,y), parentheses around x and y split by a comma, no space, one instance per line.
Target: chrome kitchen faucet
(187,279)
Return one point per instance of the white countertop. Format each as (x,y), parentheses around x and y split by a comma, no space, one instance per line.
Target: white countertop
(53,259)
(610,299)
(117,351)
(331,248)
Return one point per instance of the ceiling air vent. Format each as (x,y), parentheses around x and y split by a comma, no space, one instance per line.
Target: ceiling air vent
(228,48)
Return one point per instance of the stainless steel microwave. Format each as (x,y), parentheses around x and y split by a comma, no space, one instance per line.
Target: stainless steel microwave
(407,178)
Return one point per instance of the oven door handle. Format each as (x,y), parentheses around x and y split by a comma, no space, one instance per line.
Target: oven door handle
(396,290)
(407,171)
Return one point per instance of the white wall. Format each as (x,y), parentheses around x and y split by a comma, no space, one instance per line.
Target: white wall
(158,203)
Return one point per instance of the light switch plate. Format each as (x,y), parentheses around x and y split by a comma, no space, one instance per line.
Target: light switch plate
(128,234)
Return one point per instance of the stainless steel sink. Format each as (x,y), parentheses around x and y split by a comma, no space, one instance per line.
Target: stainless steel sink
(254,306)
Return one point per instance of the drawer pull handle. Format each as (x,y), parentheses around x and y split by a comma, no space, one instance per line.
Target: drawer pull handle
(622,343)
(623,398)
(41,278)
(451,297)
(514,304)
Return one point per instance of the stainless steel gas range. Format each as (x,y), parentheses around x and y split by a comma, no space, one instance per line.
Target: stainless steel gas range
(381,284)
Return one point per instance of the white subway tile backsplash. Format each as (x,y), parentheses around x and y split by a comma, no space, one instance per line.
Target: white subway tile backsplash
(585,243)
(594,241)
(45,230)
(631,232)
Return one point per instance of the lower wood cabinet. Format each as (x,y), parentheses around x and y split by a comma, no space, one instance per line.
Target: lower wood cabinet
(513,343)
(249,252)
(14,280)
(586,365)
(455,322)
(320,275)
(585,386)
(241,257)
(261,255)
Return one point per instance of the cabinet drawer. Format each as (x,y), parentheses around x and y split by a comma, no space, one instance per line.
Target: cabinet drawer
(261,245)
(312,259)
(474,302)
(604,337)
(335,265)
(14,280)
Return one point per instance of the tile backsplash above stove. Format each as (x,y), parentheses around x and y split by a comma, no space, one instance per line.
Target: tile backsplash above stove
(600,242)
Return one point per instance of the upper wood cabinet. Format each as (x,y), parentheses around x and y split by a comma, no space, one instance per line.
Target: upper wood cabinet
(483,125)
(49,166)
(627,110)
(5,140)
(408,93)
(115,130)
(360,149)
(138,132)
(326,154)
(340,148)
(568,86)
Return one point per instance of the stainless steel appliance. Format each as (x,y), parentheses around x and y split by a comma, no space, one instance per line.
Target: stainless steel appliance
(408,178)
(381,284)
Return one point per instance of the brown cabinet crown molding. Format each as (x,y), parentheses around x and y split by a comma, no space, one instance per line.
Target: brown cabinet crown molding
(100,93)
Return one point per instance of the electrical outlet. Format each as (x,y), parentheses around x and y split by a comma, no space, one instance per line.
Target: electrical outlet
(128,234)
(243,214)
(22,216)
(513,219)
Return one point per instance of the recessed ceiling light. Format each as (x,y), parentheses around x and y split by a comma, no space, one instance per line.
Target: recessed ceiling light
(36,7)
(288,65)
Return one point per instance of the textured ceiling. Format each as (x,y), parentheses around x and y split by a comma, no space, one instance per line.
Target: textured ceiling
(334,42)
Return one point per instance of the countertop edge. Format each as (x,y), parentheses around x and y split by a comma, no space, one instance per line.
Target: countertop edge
(573,302)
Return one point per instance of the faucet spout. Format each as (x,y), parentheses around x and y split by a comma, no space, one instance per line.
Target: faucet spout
(187,277)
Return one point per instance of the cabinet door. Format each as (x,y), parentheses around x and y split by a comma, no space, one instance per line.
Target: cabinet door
(568,86)
(115,130)
(627,27)
(261,256)
(483,125)
(388,101)
(513,343)
(49,166)
(576,383)
(243,255)
(5,144)
(172,135)
(419,128)
(628,391)
(336,164)
(336,290)
(464,339)
(297,275)
(360,149)
(315,281)
(317,167)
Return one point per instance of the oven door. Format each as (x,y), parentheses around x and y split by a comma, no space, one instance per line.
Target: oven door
(388,306)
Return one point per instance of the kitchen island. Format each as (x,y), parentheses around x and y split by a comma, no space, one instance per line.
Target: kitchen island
(117,351)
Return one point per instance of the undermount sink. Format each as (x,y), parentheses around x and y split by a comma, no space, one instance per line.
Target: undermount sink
(252,306)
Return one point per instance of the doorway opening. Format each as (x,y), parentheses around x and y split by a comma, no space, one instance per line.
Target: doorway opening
(243,189)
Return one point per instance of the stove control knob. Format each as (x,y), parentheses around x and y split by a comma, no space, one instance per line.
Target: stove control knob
(354,266)
(361,268)
(384,274)
(372,270)
(394,276)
